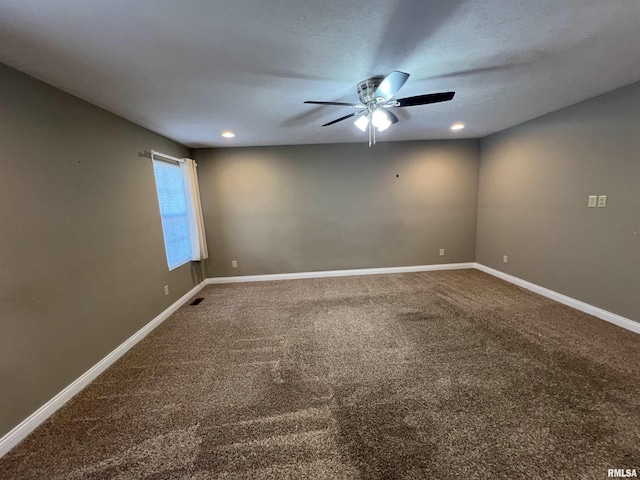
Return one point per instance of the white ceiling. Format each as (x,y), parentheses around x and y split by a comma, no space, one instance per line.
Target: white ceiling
(190,69)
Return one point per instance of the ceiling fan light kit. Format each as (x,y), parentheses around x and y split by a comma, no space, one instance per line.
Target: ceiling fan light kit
(376,98)
(362,123)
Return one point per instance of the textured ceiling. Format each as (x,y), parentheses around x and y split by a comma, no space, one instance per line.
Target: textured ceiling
(191,69)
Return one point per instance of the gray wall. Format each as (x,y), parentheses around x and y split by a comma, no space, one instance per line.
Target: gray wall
(82,261)
(325,207)
(534,182)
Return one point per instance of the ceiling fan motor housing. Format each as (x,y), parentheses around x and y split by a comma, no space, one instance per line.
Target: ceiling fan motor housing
(367,89)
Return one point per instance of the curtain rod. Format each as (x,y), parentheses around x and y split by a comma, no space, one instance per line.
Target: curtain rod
(164,156)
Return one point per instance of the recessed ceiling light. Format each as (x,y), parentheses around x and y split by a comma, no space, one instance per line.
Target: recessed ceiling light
(457,126)
(228,134)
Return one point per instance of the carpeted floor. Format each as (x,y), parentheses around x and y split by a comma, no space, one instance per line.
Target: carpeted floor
(439,375)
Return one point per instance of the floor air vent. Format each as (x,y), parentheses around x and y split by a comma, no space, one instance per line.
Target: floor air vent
(196,301)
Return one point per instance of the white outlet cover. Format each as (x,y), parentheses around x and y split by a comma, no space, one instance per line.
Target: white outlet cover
(593,201)
(602,201)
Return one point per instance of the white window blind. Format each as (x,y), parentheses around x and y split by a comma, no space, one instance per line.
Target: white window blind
(173,211)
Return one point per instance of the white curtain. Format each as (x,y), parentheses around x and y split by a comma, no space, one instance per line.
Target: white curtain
(196,221)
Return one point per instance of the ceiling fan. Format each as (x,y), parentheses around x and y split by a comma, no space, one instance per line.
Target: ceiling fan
(376,98)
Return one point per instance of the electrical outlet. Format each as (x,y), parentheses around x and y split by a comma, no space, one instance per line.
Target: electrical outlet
(593,201)
(166,290)
(602,201)
(442,252)
(234,264)
(505,259)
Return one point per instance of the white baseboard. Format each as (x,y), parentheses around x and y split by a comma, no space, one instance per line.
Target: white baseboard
(338,273)
(15,436)
(571,302)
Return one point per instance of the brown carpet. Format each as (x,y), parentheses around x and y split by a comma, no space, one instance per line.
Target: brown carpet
(451,374)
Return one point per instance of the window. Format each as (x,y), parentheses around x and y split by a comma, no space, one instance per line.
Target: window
(180,209)
(173,211)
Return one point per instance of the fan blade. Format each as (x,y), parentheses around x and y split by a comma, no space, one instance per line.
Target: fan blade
(393,118)
(391,84)
(340,119)
(425,99)
(334,103)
